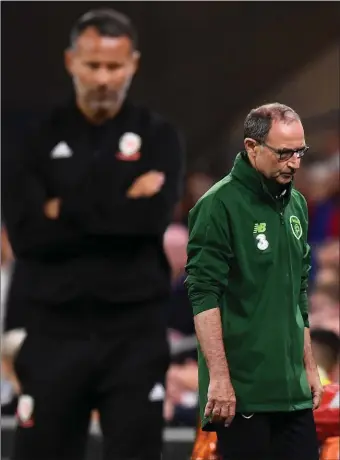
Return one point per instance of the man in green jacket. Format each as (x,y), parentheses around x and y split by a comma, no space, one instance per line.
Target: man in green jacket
(248,264)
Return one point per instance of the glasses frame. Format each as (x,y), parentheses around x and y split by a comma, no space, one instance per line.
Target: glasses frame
(288,154)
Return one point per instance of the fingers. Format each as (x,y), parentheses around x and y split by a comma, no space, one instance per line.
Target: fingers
(220,412)
(231,414)
(316,400)
(147,185)
(159,181)
(317,393)
(224,411)
(52,208)
(209,408)
(133,193)
(216,412)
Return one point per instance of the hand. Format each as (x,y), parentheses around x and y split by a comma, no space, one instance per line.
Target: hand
(146,185)
(52,208)
(185,375)
(168,410)
(221,403)
(315,386)
(174,390)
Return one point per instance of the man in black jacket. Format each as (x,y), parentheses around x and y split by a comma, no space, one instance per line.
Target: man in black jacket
(86,199)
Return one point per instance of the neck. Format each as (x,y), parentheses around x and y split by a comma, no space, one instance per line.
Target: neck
(274,187)
(100,116)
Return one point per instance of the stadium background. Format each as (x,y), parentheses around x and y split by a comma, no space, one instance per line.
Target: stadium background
(204,65)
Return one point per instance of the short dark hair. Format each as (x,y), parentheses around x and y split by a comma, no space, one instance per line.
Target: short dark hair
(259,120)
(327,339)
(108,23)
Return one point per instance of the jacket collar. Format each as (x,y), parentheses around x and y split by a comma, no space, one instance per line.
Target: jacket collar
(266,189)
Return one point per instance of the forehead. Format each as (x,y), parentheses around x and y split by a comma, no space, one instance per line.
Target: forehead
(286,135)
(92,45)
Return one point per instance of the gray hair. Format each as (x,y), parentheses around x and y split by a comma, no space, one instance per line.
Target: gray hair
(259,120)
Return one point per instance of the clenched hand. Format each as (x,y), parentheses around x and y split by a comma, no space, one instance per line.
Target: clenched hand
(221,403)
(316,387)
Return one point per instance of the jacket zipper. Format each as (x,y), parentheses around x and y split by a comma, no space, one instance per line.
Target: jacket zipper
(280,210)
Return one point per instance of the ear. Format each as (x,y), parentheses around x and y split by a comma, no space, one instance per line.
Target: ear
(251,146)
(68,60)
(135,61)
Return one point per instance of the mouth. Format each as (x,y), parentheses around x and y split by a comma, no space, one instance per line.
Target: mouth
(287,175)
(103,95)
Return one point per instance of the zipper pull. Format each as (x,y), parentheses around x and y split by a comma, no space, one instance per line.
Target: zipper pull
(282,218)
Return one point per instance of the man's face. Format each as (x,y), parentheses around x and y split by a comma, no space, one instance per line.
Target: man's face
(102,69)
(322,355)
(282,137)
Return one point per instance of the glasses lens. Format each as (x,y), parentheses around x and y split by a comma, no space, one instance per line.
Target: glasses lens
(284,156)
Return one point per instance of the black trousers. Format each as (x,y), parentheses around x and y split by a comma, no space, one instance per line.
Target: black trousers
(121,374)
(270,436)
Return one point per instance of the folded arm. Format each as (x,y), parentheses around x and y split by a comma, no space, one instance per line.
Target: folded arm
(116,212)
(23,199)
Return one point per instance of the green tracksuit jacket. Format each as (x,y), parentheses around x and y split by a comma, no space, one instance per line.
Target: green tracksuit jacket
(248,255)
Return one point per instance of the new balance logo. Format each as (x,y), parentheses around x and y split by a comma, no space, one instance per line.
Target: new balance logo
(61,150)
(260,228)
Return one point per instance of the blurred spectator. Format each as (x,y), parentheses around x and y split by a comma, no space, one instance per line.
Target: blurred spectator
(326,321)
(197,184)
(326,351)
(326,277)
(181,401)
(327,255)
(9,386)
(175,244)
(6,268)
(318,180)
(327,420)
(323,172)
(324,297)
(324,309)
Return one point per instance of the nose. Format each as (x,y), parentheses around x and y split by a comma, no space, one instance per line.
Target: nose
(102,76)
(294,162)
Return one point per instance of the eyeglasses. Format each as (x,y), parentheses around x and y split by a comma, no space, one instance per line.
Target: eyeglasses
(286,154)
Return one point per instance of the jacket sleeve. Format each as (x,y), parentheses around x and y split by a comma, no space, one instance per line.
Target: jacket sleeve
(115,213)
(31,234)
(306,266)
(209,254)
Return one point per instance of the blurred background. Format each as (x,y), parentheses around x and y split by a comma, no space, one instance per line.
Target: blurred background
(204,66)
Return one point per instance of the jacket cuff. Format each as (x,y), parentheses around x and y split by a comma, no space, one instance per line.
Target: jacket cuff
(203,303)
